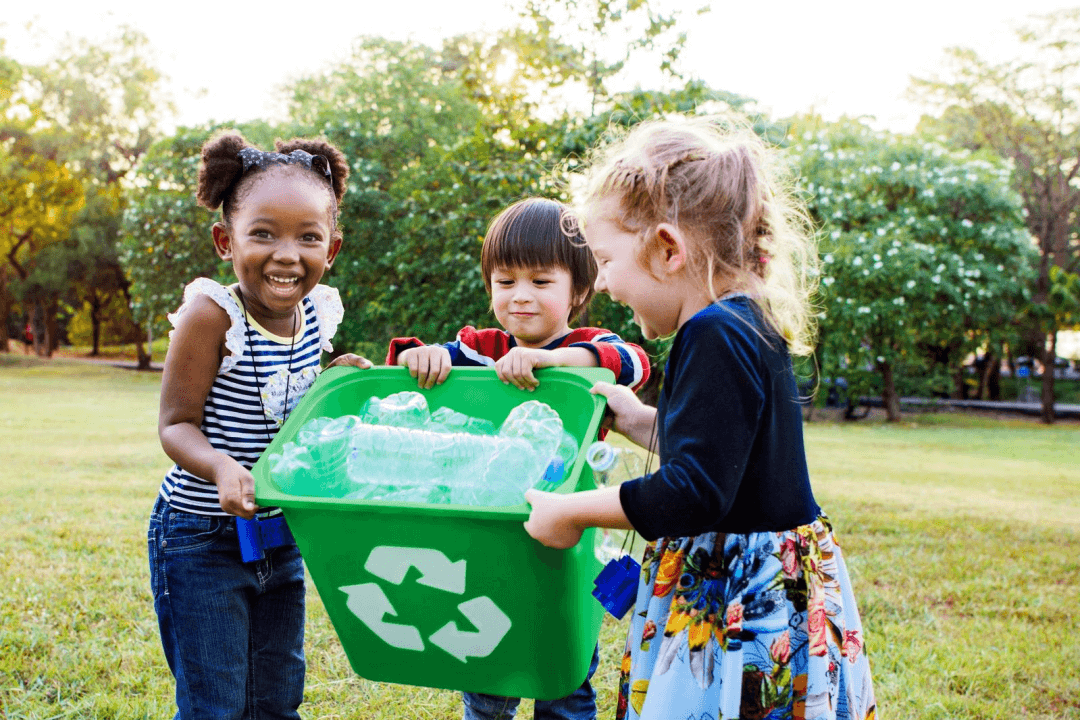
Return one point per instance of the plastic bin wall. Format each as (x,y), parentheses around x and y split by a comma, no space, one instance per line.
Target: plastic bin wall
(450,596)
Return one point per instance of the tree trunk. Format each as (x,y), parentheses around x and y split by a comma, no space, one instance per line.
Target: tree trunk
(959,386)
(989,376)
(993,380)
(37,327)
(889,398)
(982,367)
(5,311)
(1048,379)
(52,326)
(95,324)
(144,357)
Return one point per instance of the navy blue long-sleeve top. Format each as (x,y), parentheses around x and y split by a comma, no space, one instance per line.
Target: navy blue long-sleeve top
(729,431)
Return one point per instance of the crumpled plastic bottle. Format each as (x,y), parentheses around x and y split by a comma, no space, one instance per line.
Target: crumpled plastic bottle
(402,409)
(291,469)
(540,426)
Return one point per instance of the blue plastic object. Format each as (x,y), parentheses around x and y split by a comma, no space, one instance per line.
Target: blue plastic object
(553,476)
(616,585)
(261,534)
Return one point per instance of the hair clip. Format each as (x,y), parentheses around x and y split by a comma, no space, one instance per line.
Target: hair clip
(252,157)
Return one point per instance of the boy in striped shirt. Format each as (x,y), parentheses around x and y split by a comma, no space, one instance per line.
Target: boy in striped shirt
(540,276)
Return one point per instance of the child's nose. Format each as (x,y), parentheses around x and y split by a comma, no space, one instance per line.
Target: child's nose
(287,251)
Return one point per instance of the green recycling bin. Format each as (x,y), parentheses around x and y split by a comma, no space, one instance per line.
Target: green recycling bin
(450,596)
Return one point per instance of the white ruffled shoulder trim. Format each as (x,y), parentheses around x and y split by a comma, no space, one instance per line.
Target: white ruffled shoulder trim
(234,336)
(328,311)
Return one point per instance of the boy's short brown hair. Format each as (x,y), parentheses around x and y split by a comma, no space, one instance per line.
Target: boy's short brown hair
(537,232)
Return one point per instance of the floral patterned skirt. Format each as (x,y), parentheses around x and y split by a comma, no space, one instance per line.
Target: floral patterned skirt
(762,625)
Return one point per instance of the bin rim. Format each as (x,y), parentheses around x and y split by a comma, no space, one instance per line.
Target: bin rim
(268,495)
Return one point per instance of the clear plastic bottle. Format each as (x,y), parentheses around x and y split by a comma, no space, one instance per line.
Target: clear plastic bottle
(328,447)
(446,420)
(612,466)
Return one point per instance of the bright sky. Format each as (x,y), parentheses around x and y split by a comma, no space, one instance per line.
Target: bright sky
(225,59)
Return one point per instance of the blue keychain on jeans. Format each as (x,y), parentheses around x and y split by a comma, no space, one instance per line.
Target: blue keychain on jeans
(261,534)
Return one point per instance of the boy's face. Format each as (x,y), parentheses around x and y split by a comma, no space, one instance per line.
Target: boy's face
(532,304)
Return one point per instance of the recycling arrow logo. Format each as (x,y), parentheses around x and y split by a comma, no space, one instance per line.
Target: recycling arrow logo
(369,603)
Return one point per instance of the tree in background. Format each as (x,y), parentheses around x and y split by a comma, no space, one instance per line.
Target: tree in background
(590,42)
(1027,112)
(442,139)
(39,195)
(924,257)
(94,110)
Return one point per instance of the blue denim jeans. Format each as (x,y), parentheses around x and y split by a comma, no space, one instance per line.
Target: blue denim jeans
(233,632)
(579,705)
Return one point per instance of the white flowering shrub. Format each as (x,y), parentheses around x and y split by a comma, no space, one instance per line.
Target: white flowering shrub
(924,255)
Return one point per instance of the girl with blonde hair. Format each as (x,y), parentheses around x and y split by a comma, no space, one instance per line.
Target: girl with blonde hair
(744,606)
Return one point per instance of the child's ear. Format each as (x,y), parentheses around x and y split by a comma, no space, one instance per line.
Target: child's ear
(335,247)
(672,245)
(222,241)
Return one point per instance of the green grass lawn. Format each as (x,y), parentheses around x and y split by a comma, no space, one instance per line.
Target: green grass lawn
(961,535)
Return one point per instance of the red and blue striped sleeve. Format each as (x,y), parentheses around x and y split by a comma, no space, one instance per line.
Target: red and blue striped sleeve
(628,361)
(399,345)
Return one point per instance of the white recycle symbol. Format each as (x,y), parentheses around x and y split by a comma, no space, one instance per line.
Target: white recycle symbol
(370,604)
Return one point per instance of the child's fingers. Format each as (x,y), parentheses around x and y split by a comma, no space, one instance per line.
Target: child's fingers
(532,525)
(603,388)
(522,372)
(427,372)
(351,360)
(501,370)
(444,372)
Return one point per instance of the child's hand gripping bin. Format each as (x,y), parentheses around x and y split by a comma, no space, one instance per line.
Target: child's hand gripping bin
(450,596)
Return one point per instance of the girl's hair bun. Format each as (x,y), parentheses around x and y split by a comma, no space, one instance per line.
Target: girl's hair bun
(220,168)
(339,167)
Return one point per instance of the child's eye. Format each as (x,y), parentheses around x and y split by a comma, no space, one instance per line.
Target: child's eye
(312,238)
(504,283)
(261,233)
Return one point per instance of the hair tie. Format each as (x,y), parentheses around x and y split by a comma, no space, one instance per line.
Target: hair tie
(252,157)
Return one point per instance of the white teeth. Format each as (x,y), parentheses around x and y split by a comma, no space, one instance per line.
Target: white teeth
(289,280)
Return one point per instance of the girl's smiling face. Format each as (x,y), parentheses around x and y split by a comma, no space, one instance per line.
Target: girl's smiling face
(533,304)
(280,243)
(656,304)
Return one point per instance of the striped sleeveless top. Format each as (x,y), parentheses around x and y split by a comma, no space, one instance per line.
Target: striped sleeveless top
(246,404)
